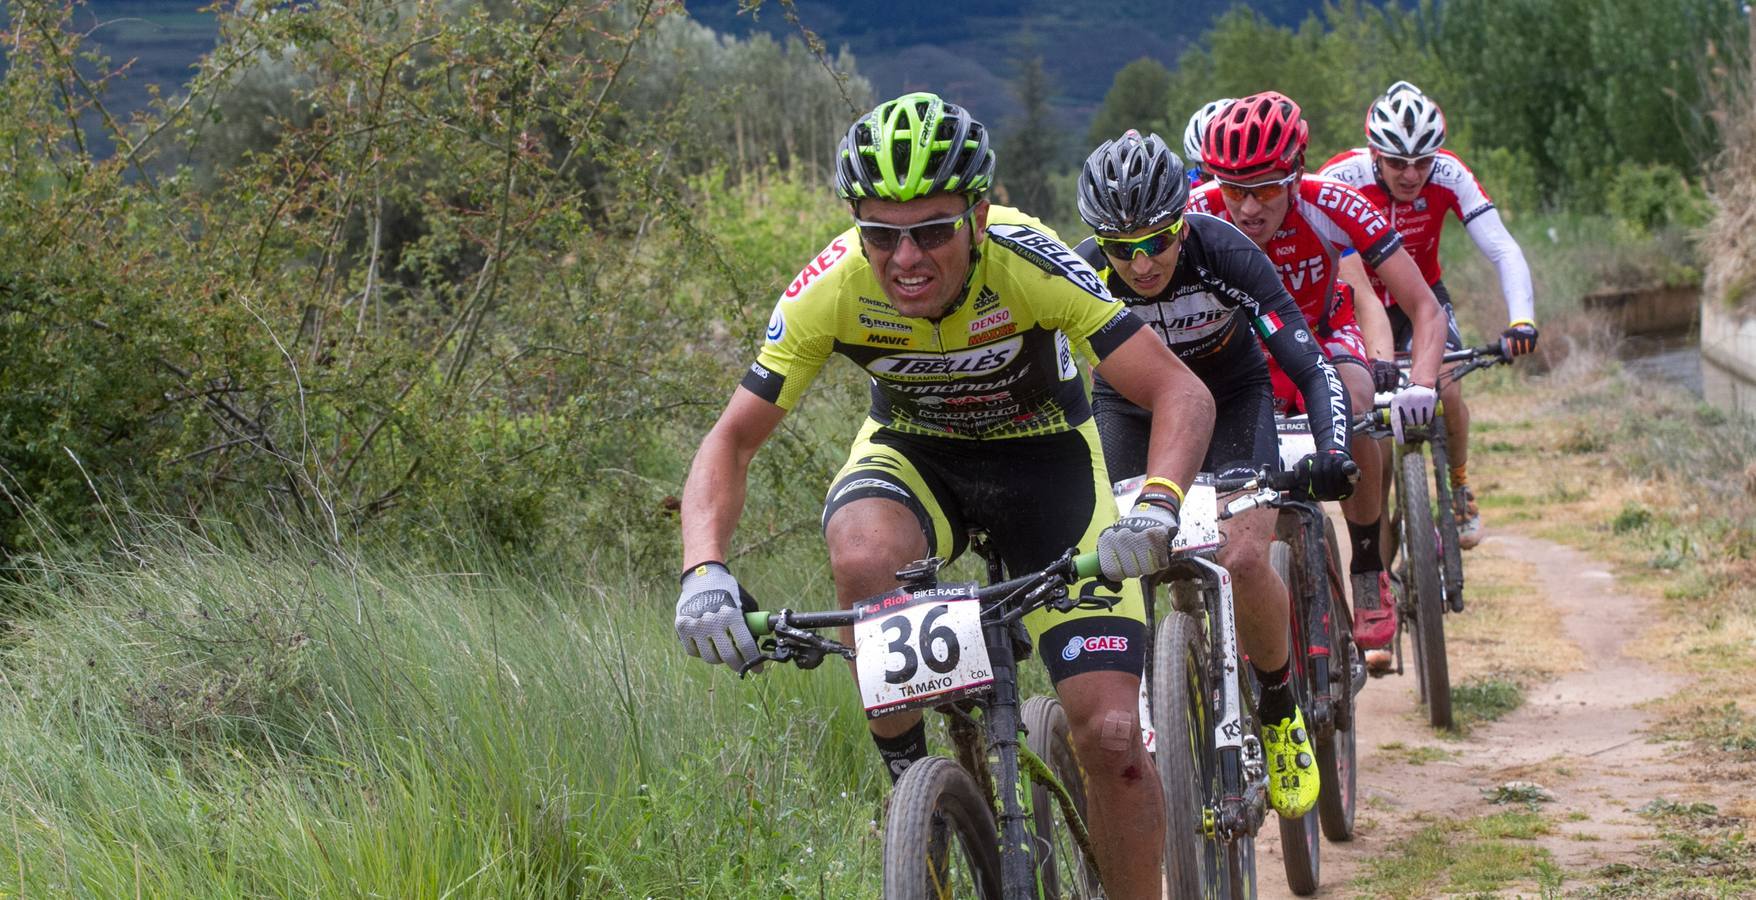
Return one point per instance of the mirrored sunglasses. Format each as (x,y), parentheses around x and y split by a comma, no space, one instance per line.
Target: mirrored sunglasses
(1266,192)
(929,235)
(1152,245)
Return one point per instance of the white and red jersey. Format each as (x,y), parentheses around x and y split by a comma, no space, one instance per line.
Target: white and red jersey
(1453,188)
(1324,217)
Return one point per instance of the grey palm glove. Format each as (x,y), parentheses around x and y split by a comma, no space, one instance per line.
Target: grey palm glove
(710,617)
(1413,405)
(1140,544)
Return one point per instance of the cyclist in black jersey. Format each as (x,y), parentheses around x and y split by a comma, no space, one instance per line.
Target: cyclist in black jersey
(1201,285)
(969,318)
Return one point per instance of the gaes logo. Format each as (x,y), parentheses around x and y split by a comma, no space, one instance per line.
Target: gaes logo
(777,325)
(1103,643)
(814,269)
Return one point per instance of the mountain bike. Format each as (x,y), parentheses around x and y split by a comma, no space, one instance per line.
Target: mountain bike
(1006,818)
(1327,662)
(1210,762)
(1425,551)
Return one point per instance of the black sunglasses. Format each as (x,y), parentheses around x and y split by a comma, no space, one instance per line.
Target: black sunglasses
(929,235)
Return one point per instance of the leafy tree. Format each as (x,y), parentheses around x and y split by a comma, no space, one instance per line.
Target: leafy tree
(1029,156)
(1139,98)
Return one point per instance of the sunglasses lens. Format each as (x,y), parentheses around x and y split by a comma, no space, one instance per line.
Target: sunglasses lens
(1264,193)
(928,237)
(878,237)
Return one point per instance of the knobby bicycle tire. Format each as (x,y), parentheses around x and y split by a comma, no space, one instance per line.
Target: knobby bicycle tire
(1301,843)
(1062,869)
(1187,770)
(936,810)
(1447,503)
(1423,581)
(1336,751)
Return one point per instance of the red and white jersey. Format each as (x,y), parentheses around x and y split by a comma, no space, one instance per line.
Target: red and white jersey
(1453,188)
(1324,217)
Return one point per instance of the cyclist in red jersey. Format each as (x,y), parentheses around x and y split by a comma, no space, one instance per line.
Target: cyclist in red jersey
(1256,151)
(1405,173)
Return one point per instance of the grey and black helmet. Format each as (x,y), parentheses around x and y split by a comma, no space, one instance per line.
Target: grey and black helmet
(1130,183)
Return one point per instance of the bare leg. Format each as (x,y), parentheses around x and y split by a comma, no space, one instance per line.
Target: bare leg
(1127,815)
(1259,596)
(1456,423)
(868,541)
(1367,504)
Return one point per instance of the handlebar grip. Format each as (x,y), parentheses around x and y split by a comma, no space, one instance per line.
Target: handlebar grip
(758,622)
(1086,565)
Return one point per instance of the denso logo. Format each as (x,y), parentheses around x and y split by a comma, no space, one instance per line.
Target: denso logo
(917,366)
(1108,643)
(997,317)
(816,267)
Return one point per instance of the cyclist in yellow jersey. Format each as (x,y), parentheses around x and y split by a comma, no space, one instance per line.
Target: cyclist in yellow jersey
(971,320)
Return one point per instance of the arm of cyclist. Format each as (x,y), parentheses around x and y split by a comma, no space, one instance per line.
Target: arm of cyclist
(1146,372)
(1374,322)
(710,607)
(1415,404)
(1497,244)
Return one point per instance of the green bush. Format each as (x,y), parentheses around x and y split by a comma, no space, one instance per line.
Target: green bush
(1647,198)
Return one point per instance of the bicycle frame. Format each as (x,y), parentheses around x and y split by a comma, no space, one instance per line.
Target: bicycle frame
(1243,770)
(1004,766)
(1007,757)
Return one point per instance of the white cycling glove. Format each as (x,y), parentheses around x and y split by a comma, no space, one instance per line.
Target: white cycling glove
(710,617)
(1140,544)
(1413,405)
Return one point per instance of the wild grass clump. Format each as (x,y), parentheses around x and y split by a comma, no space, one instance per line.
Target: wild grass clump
(204,721)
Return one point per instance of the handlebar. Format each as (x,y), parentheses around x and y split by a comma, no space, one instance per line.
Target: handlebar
(762,622)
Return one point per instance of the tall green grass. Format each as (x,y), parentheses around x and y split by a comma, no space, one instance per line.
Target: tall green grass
(203,721)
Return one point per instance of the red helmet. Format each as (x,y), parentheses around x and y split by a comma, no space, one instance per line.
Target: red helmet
(1258,134)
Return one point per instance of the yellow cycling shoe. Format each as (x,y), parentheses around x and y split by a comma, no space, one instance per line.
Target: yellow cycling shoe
(1292,766)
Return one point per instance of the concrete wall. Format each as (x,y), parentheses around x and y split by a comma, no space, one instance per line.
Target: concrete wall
(1650,310)
(1728,357)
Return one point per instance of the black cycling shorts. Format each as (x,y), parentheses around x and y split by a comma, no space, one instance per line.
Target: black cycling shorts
(1403,331)
(1243,428)
(1035,496)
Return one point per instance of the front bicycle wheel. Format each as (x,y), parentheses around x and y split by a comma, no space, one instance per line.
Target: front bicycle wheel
(1422,581)
(940,840)
(1061,864)
(1450,544)
(1335,752)
(1185,760)
(1301,844)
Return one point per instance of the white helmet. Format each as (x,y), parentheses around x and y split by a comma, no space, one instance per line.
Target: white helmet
(1405,122)
(1196,130)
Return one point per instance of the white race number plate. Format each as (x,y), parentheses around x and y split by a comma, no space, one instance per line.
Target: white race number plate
(1296,441)
(920,649)
(1197,519)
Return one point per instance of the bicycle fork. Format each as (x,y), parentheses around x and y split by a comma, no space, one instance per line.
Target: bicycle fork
(1243,771)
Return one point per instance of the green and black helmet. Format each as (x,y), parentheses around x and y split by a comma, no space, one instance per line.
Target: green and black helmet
(914,146)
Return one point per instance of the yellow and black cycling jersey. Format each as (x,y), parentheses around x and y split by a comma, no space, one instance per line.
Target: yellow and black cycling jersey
(1000,363)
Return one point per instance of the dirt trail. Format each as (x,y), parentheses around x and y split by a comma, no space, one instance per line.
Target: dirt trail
(1581,736)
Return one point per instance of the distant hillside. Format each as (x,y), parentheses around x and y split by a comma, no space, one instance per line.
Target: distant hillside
(971,56)
(968,56)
